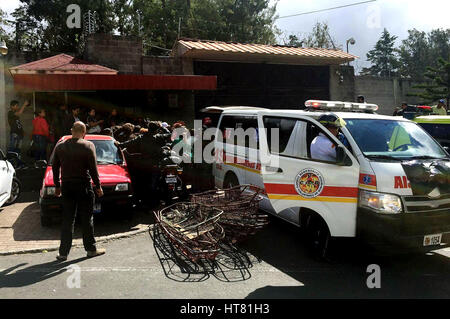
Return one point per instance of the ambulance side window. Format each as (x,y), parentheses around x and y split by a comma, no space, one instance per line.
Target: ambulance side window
(251,128)
(248,124)
(312,132)
(283,135)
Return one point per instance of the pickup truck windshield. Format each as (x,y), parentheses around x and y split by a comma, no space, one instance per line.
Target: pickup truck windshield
(393,140)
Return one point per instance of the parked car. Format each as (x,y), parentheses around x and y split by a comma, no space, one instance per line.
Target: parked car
(114,178)
(438,126)
(9,184)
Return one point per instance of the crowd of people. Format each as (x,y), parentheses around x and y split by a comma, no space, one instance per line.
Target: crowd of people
(49,128)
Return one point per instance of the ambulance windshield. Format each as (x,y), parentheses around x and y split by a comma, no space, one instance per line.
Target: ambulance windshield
(393,140)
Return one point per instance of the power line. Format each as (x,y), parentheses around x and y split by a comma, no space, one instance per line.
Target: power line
(321,10)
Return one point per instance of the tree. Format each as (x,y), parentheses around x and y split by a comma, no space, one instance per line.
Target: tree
(162,22)
(439,86)
(320,37)
(41,25)
(421,50)
(4,24)
(382,56)
(294,41)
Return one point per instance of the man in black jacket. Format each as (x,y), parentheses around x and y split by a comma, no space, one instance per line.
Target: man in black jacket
(77,159)
(144,168)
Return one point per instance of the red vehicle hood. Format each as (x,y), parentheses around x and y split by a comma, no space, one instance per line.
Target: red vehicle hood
(109,175)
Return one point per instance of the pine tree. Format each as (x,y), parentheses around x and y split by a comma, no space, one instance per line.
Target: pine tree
(383,58)
(439,85)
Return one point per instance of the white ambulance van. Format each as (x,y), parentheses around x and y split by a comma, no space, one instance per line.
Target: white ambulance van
(389,184)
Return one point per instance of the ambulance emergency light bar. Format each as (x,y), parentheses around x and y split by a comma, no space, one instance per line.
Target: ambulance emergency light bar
(340,106)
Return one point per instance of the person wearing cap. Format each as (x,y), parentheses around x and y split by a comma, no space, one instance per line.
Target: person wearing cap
(360,99)
(440,108)
(322,148)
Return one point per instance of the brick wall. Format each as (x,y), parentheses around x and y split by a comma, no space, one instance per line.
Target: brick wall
(120,53)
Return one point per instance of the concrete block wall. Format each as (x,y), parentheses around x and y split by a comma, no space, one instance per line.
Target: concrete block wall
(161,65)
(387,93)
(342,83)
(123,54)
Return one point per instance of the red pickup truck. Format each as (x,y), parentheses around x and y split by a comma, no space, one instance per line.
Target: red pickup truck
(114,178)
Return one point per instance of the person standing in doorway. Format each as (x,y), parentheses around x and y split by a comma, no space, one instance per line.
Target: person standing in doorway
(77,159)
(16,133)
(40,135)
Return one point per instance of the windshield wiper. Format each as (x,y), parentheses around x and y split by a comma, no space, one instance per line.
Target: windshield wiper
(384,157)
(425,157)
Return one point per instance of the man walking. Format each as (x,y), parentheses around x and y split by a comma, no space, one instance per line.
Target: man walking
(77,160)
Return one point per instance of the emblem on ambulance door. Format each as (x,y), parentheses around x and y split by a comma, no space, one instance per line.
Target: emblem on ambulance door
(309,183)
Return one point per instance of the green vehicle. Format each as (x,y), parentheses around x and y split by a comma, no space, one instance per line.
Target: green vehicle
(438,126)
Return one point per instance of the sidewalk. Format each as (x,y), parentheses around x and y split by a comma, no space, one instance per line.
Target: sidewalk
(21,230)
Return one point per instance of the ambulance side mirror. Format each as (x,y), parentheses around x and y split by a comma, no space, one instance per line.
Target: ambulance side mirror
(341,157)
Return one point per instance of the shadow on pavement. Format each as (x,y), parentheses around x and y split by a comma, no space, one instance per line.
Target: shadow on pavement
(27,226)
(346,276)
(232,264)
(33,274)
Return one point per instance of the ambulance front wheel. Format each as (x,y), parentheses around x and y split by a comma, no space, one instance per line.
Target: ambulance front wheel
(318,236)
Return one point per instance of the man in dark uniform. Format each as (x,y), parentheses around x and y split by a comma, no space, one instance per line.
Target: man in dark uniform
(144,168)
(77,160)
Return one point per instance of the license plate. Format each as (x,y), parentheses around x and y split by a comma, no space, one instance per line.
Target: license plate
(171,180)
(97,208)
(430,240)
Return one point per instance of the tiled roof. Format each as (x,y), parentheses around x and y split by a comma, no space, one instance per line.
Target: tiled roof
(202,48)
(61,63)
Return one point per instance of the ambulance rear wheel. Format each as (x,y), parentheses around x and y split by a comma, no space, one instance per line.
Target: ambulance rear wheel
(230,181)
(318,237)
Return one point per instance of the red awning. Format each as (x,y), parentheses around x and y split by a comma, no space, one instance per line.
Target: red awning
(95,82)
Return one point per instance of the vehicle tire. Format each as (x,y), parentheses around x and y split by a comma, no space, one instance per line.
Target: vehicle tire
(46,221)
(318,237)
(15,191)
(230,181)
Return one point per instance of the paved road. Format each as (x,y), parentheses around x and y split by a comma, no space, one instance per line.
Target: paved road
(272,264)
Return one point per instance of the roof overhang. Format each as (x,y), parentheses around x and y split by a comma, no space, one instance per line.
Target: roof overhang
(91,82)
(258,53)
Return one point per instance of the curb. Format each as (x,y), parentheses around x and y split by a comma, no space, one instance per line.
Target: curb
(98,240)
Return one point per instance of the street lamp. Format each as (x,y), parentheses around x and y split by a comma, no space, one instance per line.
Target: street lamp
(3,48)
(3,52)
(352,42)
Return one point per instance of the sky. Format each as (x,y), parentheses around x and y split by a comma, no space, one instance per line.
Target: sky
(364,22)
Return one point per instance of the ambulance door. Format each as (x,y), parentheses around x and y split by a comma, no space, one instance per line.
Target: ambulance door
(293,180)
